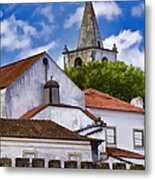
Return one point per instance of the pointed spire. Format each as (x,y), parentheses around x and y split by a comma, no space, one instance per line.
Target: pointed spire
(89,32)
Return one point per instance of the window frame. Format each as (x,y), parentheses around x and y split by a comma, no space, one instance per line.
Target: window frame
(134,140)
(114,137)
(51,95)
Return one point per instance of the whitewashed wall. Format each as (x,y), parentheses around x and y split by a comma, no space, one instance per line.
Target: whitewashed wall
(3,103)
(43,148)
(71,118)
(28,91)
(124,122)
(99,54)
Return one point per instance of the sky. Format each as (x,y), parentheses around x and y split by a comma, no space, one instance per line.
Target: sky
(30,28)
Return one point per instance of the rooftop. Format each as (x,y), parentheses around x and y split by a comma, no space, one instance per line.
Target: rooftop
(116,152)
(42,129)
(97,99)
(10,73)
(36,110)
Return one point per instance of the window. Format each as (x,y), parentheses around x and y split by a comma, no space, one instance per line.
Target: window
(104,59)
(111,135)
(138,135)
(52,92)
(99,44)
(78,62)
(54,95)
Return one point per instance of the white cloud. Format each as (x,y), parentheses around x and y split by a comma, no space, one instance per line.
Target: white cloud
(75,18)
(107,10)
(138,10)
(60,62)
(128,44)
(33,51)
(16,34)
(44,11)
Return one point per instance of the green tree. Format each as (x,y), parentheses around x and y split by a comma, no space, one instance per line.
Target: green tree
(115,78)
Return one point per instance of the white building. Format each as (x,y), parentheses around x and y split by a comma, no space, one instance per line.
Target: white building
(82,126)
(125,126)
(42,139)
(35,88)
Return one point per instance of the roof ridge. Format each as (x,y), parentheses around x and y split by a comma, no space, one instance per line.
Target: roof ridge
(11,72)
(60,132)
(23,59)
(34,111)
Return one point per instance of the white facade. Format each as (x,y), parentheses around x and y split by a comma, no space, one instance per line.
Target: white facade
(71,118)
(3,103)
(48,149)
(27,91)
(109,55)
(125,123)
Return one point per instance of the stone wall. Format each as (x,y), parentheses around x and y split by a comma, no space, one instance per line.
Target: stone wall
(90,54)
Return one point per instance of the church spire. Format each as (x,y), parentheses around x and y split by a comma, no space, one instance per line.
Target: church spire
(89,32)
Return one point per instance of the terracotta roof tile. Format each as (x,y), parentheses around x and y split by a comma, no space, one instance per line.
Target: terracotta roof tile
(97,99)
(36,110)
(116,152)
(10,73)
(37,129)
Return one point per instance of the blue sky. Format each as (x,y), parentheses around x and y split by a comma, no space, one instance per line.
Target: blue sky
(30,28)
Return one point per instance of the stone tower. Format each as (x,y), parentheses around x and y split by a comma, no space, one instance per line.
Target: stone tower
(89,33)
(90,45)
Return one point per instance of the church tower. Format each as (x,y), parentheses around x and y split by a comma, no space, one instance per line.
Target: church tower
(89,33)
(90,45)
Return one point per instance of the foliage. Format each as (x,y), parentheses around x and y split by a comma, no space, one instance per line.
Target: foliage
(115,78)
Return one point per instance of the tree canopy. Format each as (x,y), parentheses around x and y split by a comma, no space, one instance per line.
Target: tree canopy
(114,78)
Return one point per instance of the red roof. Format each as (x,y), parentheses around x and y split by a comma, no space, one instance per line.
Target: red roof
(36,110)
(10,73)
(38,129)
(97,99)
(116,152)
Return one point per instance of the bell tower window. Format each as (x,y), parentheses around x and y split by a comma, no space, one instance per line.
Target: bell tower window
(104,59)
(99,44)
(78,62)
(52,92)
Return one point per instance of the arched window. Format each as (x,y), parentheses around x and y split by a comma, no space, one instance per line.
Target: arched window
(104,59)
(99,44)
(78,62)
(52,92)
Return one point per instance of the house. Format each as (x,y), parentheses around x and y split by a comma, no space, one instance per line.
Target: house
(24,82)
(36,89)
(44,115)
(125,126)
(44,140)
(90,46)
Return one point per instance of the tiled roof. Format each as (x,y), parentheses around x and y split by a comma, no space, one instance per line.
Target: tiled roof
(10,73)
(36,110)
(44,129)
(97,99)
(116,152)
